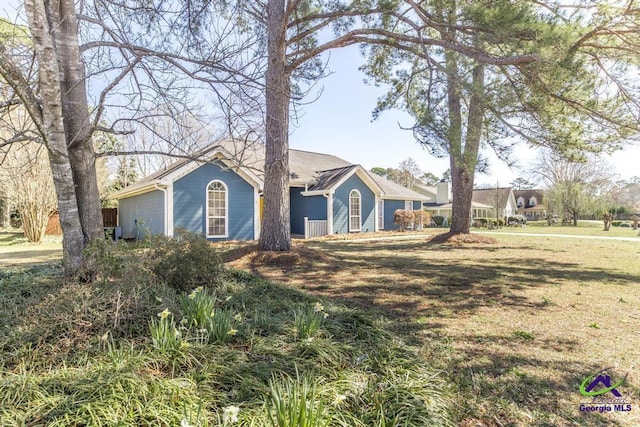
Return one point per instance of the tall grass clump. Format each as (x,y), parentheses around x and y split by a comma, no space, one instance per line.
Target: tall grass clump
(165,335)
(309,319)
(295,402)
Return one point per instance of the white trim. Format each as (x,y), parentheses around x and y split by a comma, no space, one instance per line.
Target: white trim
(226,210)
(123,194)
(221,156)
(364,176)
(351,230)
(410,205)
(380,212)
(403,198)
(165,213)
(170,229)
(256,213)
(329,197)
(315,193)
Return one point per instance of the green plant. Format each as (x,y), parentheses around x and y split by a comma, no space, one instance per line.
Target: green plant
(438,219)
(165,337)
(198,307)
(547,301)
(295,402)
(102,260)
(309,319)
(186,261)
(594,325)
(220,326)
(523,334)
(517,219)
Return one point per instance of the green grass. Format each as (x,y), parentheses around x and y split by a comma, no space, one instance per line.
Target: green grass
(127,350)
(516,326)
(584,228)
(15,250)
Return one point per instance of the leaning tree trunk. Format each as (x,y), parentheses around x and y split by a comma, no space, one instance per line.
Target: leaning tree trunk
(276,227)
(77,123)
(39,14)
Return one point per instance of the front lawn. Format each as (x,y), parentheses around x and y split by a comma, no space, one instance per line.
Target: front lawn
(584,228)
(516,326)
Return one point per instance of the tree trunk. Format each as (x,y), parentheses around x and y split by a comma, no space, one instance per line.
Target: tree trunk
(276,227)
(77,124)
(463,157)
(38,14)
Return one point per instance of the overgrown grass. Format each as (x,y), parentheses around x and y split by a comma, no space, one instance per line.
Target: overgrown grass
(129,350)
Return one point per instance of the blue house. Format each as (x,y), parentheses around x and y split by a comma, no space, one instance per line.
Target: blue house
(220,196)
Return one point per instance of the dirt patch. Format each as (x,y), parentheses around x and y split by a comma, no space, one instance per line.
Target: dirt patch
(462,239)
(250,257)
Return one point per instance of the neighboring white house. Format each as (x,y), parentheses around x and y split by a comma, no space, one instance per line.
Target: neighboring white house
(500,199)
(440,198)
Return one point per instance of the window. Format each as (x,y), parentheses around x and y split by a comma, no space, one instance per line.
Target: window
(408,205)
(217,209)
(533,201)
(354,210)
(381,214)
(520,202)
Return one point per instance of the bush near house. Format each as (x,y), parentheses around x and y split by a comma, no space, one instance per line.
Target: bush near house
(517,220)
(411,219)
(439,220)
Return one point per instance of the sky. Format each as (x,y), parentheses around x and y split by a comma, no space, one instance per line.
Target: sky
(340,122)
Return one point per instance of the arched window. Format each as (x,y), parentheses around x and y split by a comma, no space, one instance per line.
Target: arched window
(354,211)
(217,209)
(533,201)
(520,202)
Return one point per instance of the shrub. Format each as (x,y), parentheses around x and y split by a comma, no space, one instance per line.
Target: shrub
(517,219)
(421,218)
(616,223)
(439,220)
(186,262)
(403,219)
(625,225)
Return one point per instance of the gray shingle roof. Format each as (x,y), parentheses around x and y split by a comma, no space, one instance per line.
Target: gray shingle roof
(317,170)
(393,190)
(327,179)
(488,196)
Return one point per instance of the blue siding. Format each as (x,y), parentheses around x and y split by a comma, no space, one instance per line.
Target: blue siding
(341,206)
(142,214)
(313,207)
(189,202)
(390,206)
(417,205)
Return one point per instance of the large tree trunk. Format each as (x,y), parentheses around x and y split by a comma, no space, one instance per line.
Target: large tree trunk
(40,14)
(77,124)
(276,228)
(463,164)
